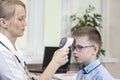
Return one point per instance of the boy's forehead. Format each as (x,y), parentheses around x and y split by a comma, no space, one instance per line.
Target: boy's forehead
(82,40)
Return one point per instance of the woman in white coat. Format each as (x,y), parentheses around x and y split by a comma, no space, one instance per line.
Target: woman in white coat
(12,26)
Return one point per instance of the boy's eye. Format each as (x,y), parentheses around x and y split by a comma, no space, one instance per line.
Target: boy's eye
(78,47)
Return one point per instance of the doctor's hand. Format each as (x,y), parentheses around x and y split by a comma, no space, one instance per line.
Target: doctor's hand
(60,56)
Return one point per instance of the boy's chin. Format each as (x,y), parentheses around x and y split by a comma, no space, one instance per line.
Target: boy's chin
(78,61)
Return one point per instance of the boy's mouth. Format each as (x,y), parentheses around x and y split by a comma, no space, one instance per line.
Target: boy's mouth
(76,57)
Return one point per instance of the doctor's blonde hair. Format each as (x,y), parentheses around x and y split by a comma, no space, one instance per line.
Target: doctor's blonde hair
(7,8)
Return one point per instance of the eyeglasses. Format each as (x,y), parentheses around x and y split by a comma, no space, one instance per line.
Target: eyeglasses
(79,48)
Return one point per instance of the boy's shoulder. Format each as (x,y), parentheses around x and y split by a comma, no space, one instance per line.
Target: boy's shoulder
(102,73)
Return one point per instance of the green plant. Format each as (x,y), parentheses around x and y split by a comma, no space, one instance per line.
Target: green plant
(88,19)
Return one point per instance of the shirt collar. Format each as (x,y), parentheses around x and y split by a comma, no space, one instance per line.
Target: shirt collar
(6,42)
(91,66)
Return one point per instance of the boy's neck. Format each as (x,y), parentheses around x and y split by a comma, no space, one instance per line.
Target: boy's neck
(89,61)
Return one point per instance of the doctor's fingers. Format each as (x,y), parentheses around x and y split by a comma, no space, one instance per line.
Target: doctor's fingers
(62,52)
(63,60)
(60,55)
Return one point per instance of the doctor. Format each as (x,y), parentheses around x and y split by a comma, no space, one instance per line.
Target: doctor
(12,26)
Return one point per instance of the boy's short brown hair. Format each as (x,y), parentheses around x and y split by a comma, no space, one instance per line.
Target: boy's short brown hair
(92,33)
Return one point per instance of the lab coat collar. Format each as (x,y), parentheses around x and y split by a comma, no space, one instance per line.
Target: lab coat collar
(6,42)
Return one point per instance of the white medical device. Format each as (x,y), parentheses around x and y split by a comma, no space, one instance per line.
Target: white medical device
(66,42)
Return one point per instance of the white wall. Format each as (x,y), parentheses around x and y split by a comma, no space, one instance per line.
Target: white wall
(32,42)
(53,17)
(22,41)
(80,5)
(52,22)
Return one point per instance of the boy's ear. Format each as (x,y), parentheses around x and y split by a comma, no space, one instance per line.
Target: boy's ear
(96,48)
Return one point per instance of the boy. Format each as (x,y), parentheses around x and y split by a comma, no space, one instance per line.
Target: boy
(87,44)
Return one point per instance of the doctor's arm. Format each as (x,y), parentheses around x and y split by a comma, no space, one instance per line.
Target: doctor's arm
(60,58)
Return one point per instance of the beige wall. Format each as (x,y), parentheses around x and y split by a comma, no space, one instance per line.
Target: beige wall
(111,12)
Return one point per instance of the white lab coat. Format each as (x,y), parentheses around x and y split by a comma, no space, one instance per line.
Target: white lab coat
(10,67)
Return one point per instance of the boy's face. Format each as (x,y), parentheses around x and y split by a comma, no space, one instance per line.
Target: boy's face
(84,51)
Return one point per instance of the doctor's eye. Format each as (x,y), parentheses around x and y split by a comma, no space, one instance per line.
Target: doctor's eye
(21,18)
